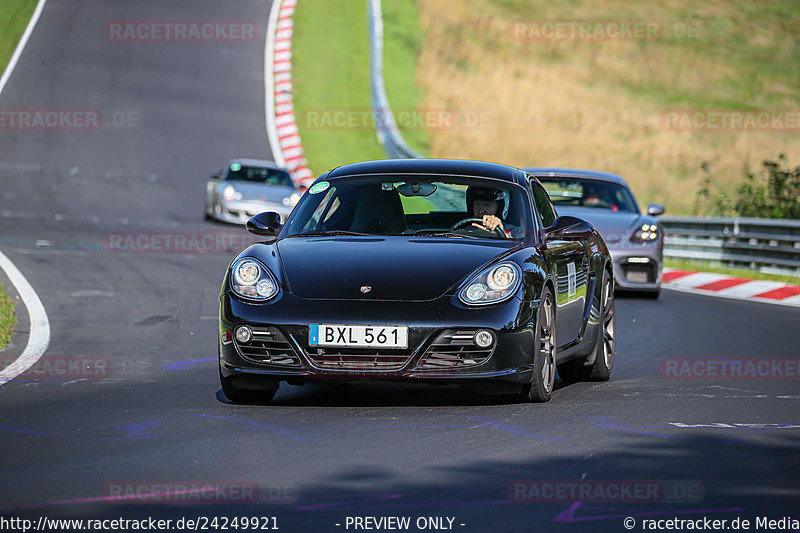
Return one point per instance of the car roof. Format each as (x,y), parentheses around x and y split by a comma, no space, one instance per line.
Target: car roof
(256,163)
(575,173)
(454,167)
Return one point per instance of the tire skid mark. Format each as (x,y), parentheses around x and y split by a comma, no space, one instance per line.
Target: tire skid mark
(521,432)
(141,430)
(642,431)
(285,432)
(188,363)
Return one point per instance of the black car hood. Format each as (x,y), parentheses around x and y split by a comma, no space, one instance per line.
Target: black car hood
(394,267)
(613,226)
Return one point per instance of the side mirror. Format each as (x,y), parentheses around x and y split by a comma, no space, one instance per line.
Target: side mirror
(567,226)
(216,175)
(655,209)
(267,224)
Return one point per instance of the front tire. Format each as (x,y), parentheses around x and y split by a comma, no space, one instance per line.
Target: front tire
(600,369)
(544,356)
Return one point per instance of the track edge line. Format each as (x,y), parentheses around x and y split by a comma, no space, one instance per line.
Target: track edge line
(39,338)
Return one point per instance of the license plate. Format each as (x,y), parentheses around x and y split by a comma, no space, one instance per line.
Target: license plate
(636,277)
(358,336)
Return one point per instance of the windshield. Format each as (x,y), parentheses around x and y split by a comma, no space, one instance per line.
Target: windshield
(422,205)
(269,176)
(583,192)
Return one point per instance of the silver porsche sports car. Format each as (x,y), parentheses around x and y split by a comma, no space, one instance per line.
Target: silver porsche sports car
(634,239)
(247,187)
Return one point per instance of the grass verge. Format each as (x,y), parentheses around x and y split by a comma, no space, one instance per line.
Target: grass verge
(7,318)
(609,104)
(14,17)
(330,72)
(718,268)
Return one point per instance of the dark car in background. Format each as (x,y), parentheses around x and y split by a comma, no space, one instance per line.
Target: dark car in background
(635,239)
(383,271)
(246,187)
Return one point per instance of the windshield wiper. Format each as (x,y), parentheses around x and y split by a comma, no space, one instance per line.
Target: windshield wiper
(447,234)
(330,233)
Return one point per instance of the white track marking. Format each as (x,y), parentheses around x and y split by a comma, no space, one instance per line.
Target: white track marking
(735,425)
(40,327)
(21,45)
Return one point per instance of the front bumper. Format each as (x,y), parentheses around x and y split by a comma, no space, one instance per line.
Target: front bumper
(637,269)
(439,345)
(239,212)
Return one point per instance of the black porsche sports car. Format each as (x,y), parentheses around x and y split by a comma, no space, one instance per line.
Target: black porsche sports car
(426,270)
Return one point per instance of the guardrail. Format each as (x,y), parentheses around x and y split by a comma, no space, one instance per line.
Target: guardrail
(763,244)
(385,126)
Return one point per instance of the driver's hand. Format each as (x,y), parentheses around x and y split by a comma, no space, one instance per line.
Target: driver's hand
(489,223)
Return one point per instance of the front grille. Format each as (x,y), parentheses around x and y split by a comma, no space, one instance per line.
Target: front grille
(268,345)
(455,349)
(367,359)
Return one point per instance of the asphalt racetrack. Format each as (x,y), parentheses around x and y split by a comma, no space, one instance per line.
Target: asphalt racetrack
(117,443)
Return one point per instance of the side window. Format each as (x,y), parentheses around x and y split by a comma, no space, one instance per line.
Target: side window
(543,204)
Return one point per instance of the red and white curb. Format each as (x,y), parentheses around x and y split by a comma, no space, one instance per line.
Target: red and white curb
(284,137)
(726,286)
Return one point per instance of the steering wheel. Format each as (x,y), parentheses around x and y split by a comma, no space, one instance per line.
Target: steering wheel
(464,222)
(601,204)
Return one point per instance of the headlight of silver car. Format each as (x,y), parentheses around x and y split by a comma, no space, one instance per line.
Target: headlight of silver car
(231,194)
(251,279)
(648,232)
(494,284)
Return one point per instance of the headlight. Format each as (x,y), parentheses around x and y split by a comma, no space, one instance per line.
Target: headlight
(230,194)
(648,232)
(492,285)
(291,200)
(251,279)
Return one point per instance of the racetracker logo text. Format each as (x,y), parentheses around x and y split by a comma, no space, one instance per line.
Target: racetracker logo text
(606,490)
(738,368)
(184,242)
(571,30)
(58,367)
(35,119)
(332,119)
(198,492)
(721,120)
(195,31)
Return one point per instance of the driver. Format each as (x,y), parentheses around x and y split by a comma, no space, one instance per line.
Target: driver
(597,197)
(487,203)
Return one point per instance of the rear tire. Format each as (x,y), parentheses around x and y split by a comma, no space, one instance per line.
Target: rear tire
(544,353)
(605,347)
(237,394)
